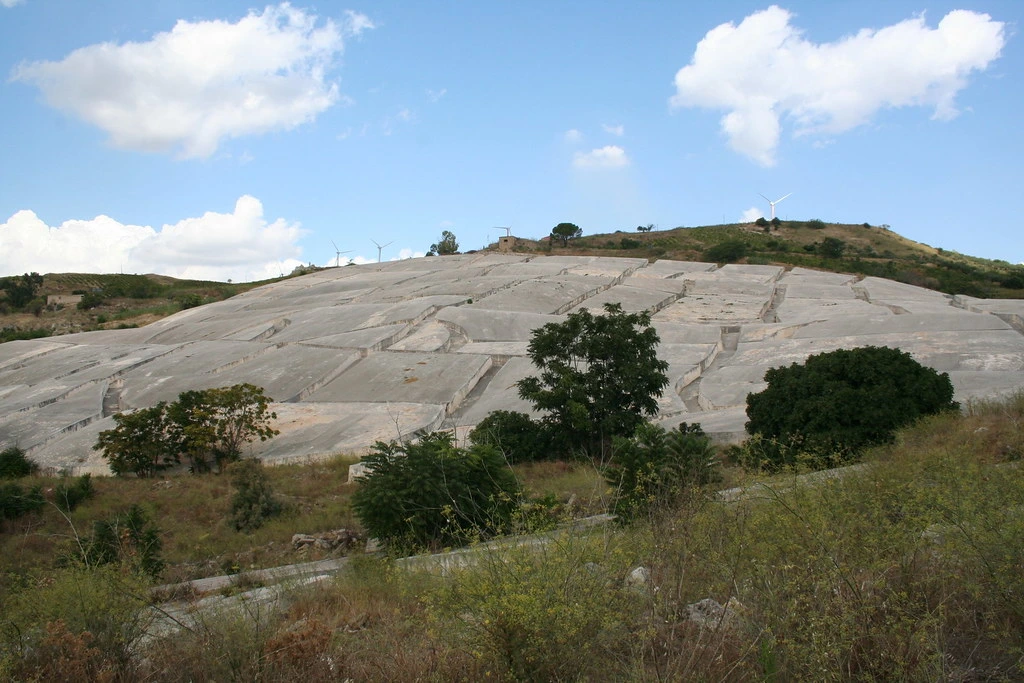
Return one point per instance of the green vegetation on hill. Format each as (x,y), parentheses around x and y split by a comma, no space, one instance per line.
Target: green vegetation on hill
(108,301)
(859,249)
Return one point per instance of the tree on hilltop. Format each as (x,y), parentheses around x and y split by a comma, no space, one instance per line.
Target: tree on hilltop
(566,232)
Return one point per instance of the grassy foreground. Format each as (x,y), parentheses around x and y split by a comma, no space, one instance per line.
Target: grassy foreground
(910,568)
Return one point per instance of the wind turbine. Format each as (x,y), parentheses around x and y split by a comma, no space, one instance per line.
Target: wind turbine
(773,203)
(380,248)
(338,253)
(508,230)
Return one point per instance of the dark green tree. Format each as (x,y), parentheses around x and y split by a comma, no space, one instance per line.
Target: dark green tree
(654,468)
(209,427)
(140,443)
(21,289)
(840,402)
(212,425)
(446,246)
(599,377)
(431,493)
(14,464)
(566,232)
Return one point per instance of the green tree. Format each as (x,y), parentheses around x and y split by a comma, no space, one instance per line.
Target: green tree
(212,425)
(431,493)
(140,443)
(14,464)
(840,402)
(599,376)
(21,289)
(446,246)
(655,467)
(566,232)
(209,427)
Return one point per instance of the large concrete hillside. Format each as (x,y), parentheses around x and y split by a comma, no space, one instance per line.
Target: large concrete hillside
(361,353)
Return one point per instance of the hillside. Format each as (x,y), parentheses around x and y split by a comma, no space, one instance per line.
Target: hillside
(136,300)
(860,249)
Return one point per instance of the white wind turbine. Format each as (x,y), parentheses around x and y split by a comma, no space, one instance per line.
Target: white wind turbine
(380,248)
(338,253)
(772,204)
(507,229)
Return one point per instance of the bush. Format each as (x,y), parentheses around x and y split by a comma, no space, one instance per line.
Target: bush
(77,624)
(129,539)
(14,464)
(253,502)
(832,247)
(840,402)
(67,496)
(655,467)
(90,300)
(728,251)
(515,435)
(762,222)
(432,493)
(628,243)
(16,502)
(816,224)
(557,612)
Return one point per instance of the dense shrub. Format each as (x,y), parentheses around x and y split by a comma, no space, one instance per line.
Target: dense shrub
(515,435)
(832,247)
(14,464)
(70,493)
(128,539)
(432,493)
(728,251)
(655,467)
(16,501)
(816,224)
(253,502)
(840,402)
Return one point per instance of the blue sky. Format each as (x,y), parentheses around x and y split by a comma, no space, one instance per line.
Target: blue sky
(220,139)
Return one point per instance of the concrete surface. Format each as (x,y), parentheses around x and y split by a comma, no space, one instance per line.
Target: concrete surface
(357,354)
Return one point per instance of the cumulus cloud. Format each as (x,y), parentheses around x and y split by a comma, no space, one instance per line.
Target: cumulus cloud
(609,156)
(240,245)
(617,130)
(763,71)
(10,3)
(572,135)
(189,88)
(751,215)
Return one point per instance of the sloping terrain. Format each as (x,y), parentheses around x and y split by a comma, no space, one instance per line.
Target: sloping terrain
(358,354)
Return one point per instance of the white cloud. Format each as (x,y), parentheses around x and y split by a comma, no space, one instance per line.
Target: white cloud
(189,88)
(10,3)
(763,71)
(435,95)
(617,130)
(403,116)
(572,135)
(609,156)
(240,245)
(751,215)
(357,23)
